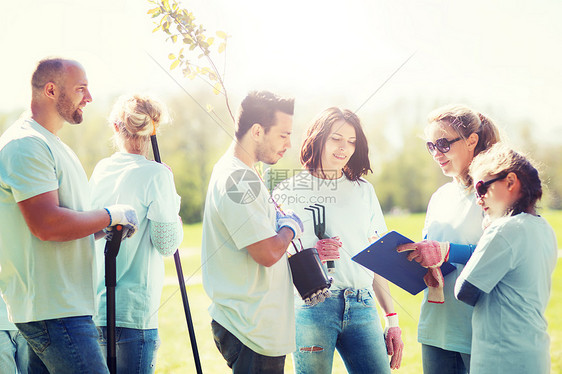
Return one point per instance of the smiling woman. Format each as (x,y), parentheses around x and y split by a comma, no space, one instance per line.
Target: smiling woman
(335,156)
(455,134)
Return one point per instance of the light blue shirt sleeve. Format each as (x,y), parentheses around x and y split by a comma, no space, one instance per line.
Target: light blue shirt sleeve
(165,202)
(490,262)
(36,173)
(246,223)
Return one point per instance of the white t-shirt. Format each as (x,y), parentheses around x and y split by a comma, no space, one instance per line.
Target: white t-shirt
(512,265)
(253,302)
(42,279)
(148,187)
(453,216)
(352,212)
(5,323)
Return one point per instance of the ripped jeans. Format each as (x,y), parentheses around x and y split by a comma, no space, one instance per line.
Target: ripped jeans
(348,321)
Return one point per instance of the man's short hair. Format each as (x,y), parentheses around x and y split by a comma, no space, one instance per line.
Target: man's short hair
(48,70)
(260,107)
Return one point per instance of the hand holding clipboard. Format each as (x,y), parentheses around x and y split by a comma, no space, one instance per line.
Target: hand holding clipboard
(382,258)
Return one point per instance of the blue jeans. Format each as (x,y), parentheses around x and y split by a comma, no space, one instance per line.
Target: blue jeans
(241,359)
(347,321)
(440,361)
(13,352)
(135,349)
(63,345)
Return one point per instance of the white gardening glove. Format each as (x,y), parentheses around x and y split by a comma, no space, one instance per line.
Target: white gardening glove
(290,220)
(393,340)
(125,215)
(429,253)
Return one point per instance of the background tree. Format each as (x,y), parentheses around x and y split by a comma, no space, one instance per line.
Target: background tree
(193,56)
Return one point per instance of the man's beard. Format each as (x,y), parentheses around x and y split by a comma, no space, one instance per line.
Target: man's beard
(66,110)
(265,155)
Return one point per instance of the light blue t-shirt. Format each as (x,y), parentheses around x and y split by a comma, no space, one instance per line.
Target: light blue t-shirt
(352,212)
(253,302)
(453,216)
(42,279)
(512,265)
(148,187)
(5,323)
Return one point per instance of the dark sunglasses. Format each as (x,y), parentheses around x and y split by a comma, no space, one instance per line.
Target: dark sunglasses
(442,145)
(482,187)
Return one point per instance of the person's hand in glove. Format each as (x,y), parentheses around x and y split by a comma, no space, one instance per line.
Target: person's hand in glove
(125,215)
(429,253)
(393,340)
(435,282)
(328,249)
(290,220)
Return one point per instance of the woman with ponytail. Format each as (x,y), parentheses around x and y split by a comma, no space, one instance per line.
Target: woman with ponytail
(453,224)
(128,177)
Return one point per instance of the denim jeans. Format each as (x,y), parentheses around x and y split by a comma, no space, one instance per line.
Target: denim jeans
(347,321)
(135,349)
(440,361)
(241,359)
(63,345)
(13,352)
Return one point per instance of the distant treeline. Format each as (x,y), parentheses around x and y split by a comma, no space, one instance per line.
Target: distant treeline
(404,174)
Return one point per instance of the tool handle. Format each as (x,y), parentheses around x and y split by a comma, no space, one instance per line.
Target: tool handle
(111,251)
(112,246)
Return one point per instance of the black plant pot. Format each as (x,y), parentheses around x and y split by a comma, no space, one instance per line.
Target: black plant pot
(309,275)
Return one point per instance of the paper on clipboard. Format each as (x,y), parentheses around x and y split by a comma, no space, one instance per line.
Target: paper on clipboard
(382,258)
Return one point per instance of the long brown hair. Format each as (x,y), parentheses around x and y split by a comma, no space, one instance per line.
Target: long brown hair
(317,135)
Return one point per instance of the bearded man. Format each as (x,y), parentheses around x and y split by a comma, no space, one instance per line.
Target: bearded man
(47,228)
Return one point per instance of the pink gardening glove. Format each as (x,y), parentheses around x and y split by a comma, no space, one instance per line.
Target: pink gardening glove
(393,340)
(328,249)
(435,282)
(429,253)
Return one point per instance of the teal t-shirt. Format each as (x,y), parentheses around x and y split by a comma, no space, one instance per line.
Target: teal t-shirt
(149,188)
(5,324)
(452,216)
(42,279)
(253,302)
(512,265)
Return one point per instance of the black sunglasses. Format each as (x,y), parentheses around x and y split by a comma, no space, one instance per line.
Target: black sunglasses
(482,187)
(442,145)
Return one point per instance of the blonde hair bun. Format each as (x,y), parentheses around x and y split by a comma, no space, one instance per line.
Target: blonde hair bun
(136,117)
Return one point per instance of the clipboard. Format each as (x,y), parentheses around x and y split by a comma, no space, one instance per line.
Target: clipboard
(382,258)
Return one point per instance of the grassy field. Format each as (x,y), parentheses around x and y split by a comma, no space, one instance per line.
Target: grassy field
(175,354)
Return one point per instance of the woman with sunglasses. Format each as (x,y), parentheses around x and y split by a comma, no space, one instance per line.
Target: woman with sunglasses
(453,225)
(335,155)
(508,278)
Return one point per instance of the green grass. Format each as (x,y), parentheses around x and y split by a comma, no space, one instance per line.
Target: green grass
(175,355)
